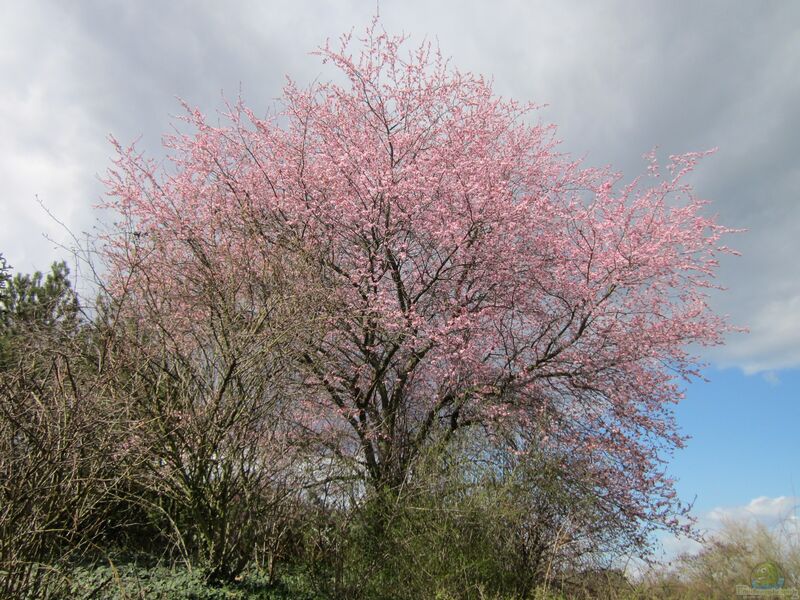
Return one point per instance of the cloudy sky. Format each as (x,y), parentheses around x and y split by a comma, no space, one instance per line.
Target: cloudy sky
(618,78)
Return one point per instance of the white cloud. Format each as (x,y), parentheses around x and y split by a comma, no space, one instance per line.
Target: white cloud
(764,510)
(772,512)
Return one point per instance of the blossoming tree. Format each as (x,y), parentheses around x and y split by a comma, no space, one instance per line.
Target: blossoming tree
(473,276)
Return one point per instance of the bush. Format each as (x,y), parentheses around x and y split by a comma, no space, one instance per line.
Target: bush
(727,559)
(61,432)
(473,522)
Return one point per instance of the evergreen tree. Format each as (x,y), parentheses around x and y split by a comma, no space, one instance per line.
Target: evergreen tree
(34,302)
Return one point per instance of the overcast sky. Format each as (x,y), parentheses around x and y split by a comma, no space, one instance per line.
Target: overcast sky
(618,79)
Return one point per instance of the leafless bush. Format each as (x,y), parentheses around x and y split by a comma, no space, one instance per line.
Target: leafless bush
(212,391)
(727,559)
(61,424)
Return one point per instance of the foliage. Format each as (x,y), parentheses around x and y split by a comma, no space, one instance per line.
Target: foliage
(34,302)
(471,524)
(36,298)
(115,582)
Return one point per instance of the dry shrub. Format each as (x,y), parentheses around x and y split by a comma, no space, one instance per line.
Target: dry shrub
(61,430)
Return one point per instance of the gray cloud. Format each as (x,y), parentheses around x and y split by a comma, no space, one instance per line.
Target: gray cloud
(618,78)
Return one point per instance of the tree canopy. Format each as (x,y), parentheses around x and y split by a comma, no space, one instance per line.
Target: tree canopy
(474,278)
